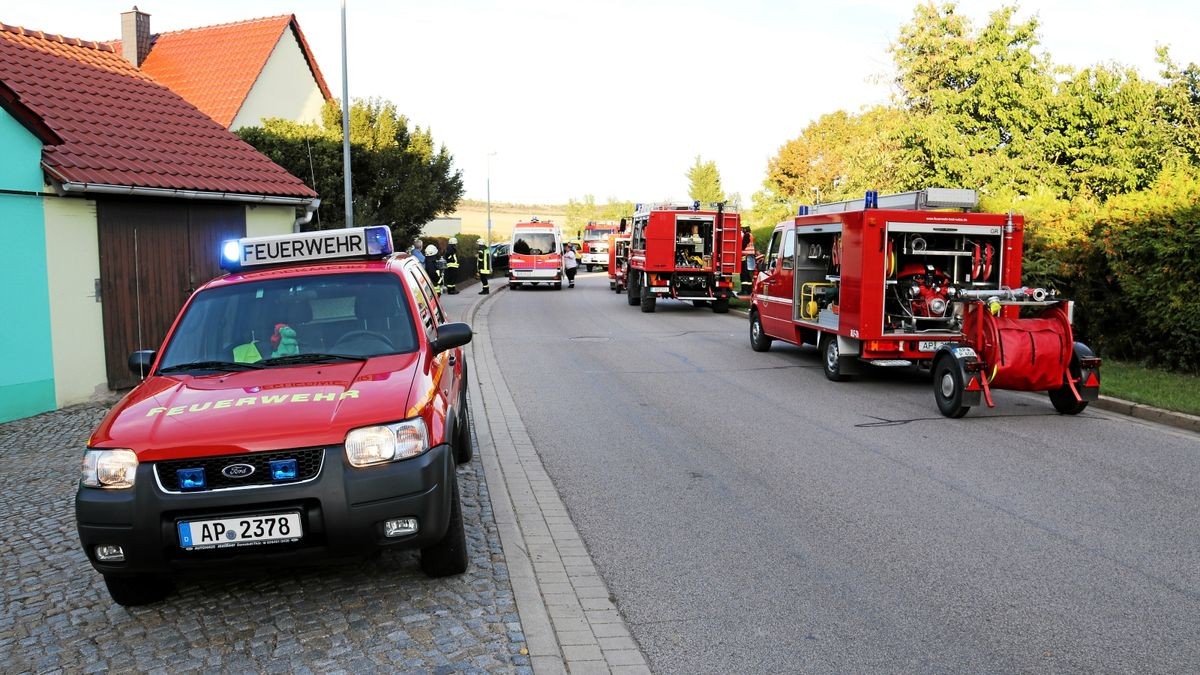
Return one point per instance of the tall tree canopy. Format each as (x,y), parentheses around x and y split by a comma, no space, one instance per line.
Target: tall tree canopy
(704,182)
(399,176)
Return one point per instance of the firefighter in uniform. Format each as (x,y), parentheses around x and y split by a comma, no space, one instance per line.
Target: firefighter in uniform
(451,276)
(433,267)
(483,263)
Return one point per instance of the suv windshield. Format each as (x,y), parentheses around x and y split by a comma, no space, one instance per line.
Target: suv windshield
(296,320)
(535,243)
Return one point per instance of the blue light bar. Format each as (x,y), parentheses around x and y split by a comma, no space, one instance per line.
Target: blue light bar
(871,200)
(379,240)
(802,211)
(191,479)
(352,242)
(283,470)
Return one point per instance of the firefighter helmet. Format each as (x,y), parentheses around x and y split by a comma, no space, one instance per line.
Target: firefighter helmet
(431,249)
(454,240)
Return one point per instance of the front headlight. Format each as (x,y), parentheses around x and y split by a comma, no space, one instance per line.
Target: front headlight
(109,468)
(386,443)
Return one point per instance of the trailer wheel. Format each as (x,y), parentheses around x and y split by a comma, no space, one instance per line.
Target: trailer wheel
(631,289)
(720,306)
(1064,401)
(759,340)
(831,359)
(948,388)
(647,299)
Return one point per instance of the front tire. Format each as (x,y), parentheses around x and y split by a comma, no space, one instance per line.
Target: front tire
(448,556)
(632,290)
(647,299)
(831,359)
(463,449)
(948,388)
(139,590)
(759,340)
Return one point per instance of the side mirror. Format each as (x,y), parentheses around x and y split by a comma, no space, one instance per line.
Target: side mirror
(140,362)
(451,335)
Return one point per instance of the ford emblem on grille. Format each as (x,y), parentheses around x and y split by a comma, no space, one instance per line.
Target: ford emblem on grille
(238,470)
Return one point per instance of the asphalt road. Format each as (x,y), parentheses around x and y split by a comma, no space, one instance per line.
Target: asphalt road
(749,515)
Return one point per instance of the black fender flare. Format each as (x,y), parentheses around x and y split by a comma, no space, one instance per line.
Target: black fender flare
(1086,367)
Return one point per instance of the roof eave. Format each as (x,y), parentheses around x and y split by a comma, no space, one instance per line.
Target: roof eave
(76,188)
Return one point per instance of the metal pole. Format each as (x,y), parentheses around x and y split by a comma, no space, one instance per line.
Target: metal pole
(489,198)
(346,127)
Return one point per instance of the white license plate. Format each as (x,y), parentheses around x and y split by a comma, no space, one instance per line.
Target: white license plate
(244,531)
(929,346)
(522,273)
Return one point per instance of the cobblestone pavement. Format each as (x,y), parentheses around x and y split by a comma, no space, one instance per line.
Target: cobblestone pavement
(379,615)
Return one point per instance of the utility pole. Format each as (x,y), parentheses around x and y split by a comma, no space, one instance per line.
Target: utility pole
(489,198)
(346,127)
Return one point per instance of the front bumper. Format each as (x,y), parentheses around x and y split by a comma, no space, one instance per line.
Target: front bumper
(595,259)
(342,512)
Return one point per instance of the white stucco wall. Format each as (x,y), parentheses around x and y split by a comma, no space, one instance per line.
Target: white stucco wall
(285,88)
(265,220)
(76,319)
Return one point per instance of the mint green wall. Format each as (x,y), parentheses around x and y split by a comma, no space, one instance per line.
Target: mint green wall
(27,378)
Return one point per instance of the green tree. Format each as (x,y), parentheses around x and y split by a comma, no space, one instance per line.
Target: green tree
(704,182)
(399,176)
(980,98)
(839,156)
(1179,104)
(1106,133)
(615,210)
(580,213)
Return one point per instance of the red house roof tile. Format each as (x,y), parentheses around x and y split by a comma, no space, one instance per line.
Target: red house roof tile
(214,67)
(120,127)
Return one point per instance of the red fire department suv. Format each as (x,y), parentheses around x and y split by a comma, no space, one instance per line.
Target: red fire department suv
(310,404)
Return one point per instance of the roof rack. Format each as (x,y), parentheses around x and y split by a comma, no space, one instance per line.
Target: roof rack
(917,200)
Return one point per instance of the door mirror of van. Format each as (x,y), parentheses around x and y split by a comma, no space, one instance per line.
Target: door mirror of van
(140,362)
(451,335)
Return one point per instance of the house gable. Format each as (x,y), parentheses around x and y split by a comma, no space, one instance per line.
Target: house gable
(285,88)
(217,69)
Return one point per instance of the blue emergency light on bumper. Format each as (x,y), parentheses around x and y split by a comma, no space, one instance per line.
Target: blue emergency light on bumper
(355,242)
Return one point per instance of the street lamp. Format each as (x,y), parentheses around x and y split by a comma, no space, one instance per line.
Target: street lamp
(489,197)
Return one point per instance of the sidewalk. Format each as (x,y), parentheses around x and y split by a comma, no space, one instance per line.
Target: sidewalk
(569,622)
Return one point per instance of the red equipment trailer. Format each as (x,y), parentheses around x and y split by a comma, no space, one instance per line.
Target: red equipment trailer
(891,280)
(680,251)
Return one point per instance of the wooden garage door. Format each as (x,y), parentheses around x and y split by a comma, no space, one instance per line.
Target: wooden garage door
(153,254)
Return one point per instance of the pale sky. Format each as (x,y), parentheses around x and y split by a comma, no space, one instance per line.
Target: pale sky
(615,99)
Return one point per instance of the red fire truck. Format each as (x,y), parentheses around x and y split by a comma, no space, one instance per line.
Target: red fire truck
(618,256)
(595,244)
(914,278)
(683,252)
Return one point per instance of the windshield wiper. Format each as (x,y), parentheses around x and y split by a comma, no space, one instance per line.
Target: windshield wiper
(225,366)
(299,359)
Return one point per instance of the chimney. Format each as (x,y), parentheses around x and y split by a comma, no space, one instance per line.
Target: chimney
(135,36)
